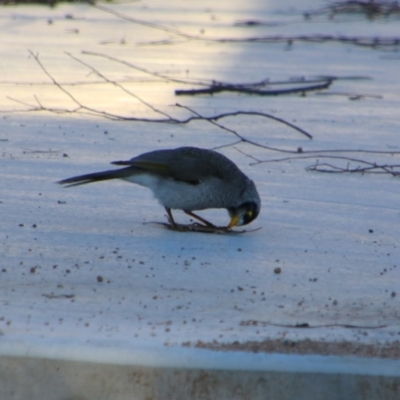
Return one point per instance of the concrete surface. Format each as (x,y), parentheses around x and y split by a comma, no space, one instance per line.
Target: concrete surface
(84,273)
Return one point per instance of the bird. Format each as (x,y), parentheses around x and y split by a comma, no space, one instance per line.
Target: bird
(188,179)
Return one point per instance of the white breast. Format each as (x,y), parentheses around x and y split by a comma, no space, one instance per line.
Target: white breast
(180,195)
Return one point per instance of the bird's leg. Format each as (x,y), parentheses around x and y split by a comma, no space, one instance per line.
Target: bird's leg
(204,221)
(170,217)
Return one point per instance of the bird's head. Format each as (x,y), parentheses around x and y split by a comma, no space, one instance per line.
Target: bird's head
(247,208)
(244,214)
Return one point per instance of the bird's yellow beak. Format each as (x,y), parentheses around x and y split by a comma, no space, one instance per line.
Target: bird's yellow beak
(234,221)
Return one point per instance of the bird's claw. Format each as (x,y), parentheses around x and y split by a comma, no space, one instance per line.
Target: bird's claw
(197,227)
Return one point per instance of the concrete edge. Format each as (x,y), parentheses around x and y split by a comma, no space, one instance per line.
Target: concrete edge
(193,358)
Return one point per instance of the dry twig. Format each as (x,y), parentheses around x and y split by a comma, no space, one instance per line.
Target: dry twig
(218,87)
(370,9)
(364,41)
(362,166)
(80,108)
(299,85)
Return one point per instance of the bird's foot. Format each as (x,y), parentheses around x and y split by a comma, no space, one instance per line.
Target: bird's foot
(197,227)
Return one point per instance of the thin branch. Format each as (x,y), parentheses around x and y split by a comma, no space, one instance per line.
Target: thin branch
(267,116)
(363,166)
(218,88)
(242,138)
(223,146)
(371,9)
(36,58)
(371,168)
(235,113)
(365,41)
(168,118)
(98,73)
(80,106)
(304,325)
(214,86)
(317,153)
(42,108)
(135,20)
(144,70)
(351,96)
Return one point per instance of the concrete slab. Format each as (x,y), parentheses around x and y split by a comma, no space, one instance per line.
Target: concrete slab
(91,290)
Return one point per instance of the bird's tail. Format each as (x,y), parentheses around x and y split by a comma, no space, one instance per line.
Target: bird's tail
(97,177)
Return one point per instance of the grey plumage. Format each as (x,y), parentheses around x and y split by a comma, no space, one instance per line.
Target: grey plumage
(187,178)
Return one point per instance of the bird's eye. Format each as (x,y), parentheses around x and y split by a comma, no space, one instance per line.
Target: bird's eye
(248,217)
(246,212)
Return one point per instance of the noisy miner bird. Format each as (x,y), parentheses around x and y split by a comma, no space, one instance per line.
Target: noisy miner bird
(188,179)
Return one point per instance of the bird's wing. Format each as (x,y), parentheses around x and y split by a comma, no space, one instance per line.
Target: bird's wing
(178,164)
